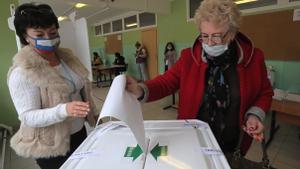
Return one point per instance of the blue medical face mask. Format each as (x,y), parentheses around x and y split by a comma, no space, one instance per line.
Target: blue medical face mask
(215,50)
(44,44)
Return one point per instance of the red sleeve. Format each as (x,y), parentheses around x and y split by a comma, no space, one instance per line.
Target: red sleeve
(264,99)
(166,84)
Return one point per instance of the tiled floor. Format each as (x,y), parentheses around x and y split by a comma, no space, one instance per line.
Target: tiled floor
(283,152)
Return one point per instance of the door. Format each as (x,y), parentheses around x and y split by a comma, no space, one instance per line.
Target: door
(149,40)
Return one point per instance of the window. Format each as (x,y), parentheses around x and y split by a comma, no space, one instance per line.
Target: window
(98,30)
(192,7)
(106,28)
(256,4)
(147,19)
(117,25)
(130,22)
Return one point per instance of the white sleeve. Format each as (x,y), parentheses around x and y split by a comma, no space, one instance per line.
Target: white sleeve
(27,100)
(143,53)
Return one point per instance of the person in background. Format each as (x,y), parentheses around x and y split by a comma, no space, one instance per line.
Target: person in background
(96,59)
(141,61)
(222,79)
(119,60)
(170,55)
(50,90)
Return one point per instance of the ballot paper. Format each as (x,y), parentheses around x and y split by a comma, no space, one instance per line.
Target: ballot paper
(124,106)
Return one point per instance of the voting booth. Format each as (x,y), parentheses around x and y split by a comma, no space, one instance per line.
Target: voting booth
(174,144)
(133,143)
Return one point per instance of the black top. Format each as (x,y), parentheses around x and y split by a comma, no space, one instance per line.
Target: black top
(119,60)
(221,100)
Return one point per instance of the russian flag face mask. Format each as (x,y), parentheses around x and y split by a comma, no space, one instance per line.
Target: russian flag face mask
(46,45)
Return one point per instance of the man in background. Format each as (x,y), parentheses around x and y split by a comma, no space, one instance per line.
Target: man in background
(119,60)
(141,60)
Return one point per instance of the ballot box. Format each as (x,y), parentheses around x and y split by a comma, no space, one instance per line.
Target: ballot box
(171,144)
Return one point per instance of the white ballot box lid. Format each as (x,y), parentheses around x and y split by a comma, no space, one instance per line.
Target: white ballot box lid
(172,144)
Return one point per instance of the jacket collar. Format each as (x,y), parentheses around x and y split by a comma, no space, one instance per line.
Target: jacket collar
(39,72)
(245,50)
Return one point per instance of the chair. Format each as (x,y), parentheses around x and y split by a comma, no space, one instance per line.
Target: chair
(4,129)
(125,69)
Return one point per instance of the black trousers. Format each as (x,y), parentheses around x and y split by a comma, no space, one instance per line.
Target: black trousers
(56,162)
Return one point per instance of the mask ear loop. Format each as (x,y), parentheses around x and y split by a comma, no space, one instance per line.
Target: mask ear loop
(35,40)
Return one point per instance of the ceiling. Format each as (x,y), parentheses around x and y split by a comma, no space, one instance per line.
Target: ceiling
(100,10)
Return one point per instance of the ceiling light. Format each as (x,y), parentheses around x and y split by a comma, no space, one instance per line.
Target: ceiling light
(131,25)
(61,18)
(80,5)
(244,1)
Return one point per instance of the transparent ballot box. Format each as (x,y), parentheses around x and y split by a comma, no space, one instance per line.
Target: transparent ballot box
(172,144)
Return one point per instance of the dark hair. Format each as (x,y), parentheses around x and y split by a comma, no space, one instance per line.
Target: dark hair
(117,54)
(137,44)
(29,15)
(166,47)
(95,54)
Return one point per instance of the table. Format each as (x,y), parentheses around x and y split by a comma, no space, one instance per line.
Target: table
(102,70)
(286,111)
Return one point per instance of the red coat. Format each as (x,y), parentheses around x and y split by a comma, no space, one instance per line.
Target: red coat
(188,76)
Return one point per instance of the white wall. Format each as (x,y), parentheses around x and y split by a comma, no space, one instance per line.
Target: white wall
(74,35)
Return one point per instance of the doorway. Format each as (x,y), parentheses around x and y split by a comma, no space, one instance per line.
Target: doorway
(149,40)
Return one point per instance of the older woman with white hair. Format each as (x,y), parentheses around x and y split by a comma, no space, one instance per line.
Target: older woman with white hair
(222,78)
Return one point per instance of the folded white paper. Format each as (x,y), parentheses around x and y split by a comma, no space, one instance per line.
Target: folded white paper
(124,106)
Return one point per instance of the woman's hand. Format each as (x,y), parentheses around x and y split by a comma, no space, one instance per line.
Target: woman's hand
(133,87)
(254,127)
(78,109)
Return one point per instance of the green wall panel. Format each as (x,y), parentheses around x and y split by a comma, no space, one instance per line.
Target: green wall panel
(174,27)
(8,49)
(287,75)
(96,43)
(129,39)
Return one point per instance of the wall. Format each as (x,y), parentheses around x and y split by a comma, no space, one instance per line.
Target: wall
(96,43)
(183,34)
(8,48)
(287,75)
(129,39)
(174,27)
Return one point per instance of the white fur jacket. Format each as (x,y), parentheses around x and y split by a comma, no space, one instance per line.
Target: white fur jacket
(52,140)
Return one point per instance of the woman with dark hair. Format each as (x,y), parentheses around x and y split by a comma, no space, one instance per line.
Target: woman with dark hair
(141,56)
(50,90)
(96,59)
(170,55)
